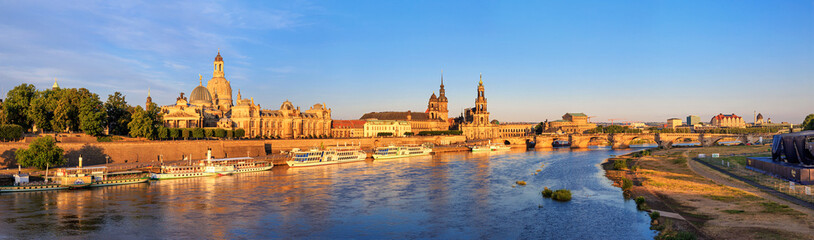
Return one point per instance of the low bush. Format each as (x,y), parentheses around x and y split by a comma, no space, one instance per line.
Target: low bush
(626,184)
(641,204)
(619,164)
(562,195)
(10,132)
(654,215)
(521,182)
(384,134)
(547,192)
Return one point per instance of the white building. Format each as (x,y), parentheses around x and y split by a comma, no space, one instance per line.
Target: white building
(396,128)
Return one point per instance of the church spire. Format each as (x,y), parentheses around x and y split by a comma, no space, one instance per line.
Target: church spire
(200,80)
(481,79)
(55,86)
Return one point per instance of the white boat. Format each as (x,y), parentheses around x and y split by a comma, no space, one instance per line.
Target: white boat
(212,167)
(400,151)
(335,155)
(490,148)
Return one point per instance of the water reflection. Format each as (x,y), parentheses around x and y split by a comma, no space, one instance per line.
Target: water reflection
(459,195)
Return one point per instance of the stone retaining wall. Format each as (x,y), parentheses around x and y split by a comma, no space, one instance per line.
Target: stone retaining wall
(120,152)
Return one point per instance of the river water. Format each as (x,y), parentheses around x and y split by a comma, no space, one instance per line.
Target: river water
(446,196)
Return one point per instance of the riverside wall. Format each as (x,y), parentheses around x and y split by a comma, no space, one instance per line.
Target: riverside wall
(150,151)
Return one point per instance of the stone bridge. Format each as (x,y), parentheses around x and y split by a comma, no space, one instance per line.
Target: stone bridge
(624,140)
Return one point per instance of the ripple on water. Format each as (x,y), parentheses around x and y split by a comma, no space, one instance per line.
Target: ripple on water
(449,196)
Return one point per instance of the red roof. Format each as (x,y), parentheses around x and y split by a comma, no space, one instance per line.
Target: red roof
(348,124)
(721,116)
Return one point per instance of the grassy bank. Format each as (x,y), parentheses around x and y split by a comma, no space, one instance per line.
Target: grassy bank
(666,183)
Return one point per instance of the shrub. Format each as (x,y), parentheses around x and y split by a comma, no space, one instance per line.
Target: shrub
(619,164)
(562,195)
(209,133)
(409,134)
(220,133)
(654,215)
(634,168)
(185,133)
(198,133)
(641,204)
(521,182)
(384,134)
(239,133)
(626,184)
(547,192)
(175,133)
(640,200)
(684,235)
(9,132)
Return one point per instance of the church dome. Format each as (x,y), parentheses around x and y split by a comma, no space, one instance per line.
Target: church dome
(200,96)
(759,116)
(220,87)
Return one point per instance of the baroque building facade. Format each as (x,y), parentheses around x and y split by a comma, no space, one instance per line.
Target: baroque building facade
(477,124)
(212,106)
(435,118)
(570,123)
(727,120)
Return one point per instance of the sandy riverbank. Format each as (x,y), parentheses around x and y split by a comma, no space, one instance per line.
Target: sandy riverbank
(713,206)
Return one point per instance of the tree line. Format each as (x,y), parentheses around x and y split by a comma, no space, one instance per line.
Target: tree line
(63,110)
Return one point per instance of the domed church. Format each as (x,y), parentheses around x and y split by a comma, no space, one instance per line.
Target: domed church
(211,106)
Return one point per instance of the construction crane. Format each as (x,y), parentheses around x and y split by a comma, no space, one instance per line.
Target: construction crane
(614,119)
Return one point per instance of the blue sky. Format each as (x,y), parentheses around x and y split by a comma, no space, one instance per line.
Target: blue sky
(632,60)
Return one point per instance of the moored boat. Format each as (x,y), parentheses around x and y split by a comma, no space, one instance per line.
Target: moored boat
(21,184)
(391,151)
(316,157)
(212,167)
(490,148)
(120,178)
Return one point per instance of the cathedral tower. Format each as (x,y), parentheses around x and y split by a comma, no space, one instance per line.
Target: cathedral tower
(481,115)
(219,88)
(443,112)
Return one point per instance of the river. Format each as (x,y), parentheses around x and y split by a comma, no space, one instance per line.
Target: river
(446,196)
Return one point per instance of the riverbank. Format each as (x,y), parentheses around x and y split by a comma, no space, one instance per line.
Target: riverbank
(711,209)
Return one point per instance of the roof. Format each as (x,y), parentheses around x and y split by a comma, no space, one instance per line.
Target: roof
(200,94)
(180,114)
(577,114)
(348,124)
(415,116)
(724,116)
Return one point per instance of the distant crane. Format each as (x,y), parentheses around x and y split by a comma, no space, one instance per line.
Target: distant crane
(614,119)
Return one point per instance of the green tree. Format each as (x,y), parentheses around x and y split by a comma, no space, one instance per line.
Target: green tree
(808,123)
(15,108)
(220,133)
(9,132)
(209,133)
(163,133)
(62,116)
(185,133)
(92,116)
(239,133)
(141,124)
(40,112)
(41,153)
(230,134)
(174,133)
(198,133)
(118,114)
